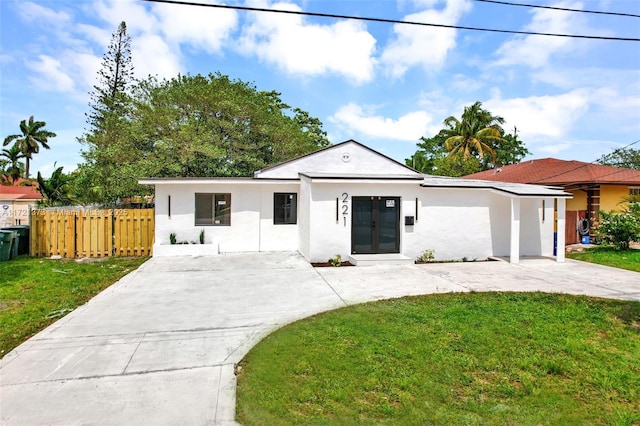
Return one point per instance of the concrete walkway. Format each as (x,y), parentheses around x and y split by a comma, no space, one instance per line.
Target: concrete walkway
(159,346)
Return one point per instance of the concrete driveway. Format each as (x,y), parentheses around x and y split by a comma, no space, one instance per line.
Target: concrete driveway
(159,346)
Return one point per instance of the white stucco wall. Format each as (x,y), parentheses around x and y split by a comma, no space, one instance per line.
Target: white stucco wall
(251,229)
(273,237)
(332,160)
(536,228)
(328,237)
(304,212)
(455,223)
(500,212)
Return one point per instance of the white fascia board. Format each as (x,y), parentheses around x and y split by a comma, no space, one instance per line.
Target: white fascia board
(205,181)
(369,181)
(502,192)
(539,195)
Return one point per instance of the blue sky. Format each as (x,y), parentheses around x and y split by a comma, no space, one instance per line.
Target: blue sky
(382,84)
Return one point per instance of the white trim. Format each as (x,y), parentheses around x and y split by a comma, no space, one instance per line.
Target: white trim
(216,181)
(560,230)
(369,181)
(514,249)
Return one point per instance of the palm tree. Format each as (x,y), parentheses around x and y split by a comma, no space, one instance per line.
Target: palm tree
(474,134)
(33,135)
(14,168)
(55,190)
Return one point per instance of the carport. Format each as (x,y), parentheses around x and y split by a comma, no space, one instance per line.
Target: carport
(525,220)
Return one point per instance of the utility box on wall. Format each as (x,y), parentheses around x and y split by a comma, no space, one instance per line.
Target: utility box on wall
(408,220)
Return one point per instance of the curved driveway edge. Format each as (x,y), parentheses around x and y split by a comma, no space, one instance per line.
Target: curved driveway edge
(160,345)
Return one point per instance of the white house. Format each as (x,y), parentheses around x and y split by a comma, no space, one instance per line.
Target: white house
(350,200)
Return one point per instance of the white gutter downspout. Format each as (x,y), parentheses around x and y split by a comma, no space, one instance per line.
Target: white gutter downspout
(514,250)
(560,239)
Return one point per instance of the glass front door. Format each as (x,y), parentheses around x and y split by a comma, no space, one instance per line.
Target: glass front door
(375,226)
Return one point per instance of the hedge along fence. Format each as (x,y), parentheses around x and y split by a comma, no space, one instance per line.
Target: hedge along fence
(92,232)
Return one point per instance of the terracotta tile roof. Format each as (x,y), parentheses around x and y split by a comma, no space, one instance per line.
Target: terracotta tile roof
(19,192)
(551,171)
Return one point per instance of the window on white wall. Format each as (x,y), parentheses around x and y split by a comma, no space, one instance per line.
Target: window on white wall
(213,209)
(285,208)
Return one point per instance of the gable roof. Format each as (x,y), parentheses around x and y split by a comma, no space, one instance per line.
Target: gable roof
(345,158)
(552,171)
(19,192)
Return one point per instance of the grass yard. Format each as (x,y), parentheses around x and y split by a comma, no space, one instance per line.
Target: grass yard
(609,256)
(472,359)
(35,292)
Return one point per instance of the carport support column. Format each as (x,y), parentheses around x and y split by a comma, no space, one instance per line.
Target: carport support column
(514,250)
(560,230)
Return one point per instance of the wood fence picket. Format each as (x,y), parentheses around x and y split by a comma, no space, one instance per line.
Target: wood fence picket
(92,232)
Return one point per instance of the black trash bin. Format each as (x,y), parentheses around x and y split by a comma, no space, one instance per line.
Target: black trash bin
(7,240)
(23,235)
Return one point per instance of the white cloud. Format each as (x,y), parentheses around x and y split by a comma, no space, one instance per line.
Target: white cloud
(547,116)
(134,13)
(536,51)
(420,45)
(344,48)
(203,27)
(409,127)
(86,66)
(542,120)
(50,77)
(31,12)
(152,56)
(465,83)
(553,149)
(6,59)
(99,36)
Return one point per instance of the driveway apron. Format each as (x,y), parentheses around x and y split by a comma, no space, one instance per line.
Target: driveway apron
(159,346)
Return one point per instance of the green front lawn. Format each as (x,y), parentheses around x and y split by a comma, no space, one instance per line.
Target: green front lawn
(450,359)
(610,256)
(35,292)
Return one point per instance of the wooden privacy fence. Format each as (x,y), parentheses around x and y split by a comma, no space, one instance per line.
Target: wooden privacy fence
(92,232)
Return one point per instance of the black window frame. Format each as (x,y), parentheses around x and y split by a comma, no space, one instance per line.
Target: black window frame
(280,206)
(220,212)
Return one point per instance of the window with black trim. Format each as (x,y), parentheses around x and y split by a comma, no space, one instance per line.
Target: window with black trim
(213,209)
(285,208)
(634,191)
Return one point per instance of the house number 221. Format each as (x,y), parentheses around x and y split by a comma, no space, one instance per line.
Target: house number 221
(345,207)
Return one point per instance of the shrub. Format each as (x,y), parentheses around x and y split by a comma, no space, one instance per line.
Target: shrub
(336,261)
(427,256)
(620,228)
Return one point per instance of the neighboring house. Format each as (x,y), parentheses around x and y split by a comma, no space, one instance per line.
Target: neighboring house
(16,203)
(352,201)
(594,186)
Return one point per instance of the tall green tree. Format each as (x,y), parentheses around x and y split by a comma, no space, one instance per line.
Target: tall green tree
(32,136)
(109,99)
(475,134)
(432,158)
(14,167)
(106,158)
(467,145)
(628,158)
(55,191)
(510,150)
(194,126)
